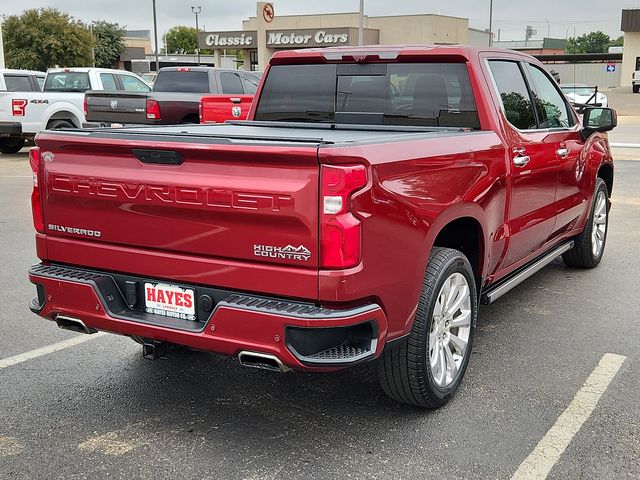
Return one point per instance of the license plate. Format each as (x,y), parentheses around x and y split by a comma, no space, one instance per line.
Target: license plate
(170,301)
(116,125)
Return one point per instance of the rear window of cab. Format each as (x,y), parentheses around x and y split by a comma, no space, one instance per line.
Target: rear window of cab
(422,94)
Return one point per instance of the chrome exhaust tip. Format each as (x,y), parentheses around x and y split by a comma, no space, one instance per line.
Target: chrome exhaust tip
(74,324)
(263,361)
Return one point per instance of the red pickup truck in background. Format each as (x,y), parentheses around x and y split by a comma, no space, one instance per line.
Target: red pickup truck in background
(378,195)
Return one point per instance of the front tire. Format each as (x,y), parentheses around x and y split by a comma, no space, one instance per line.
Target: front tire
(589,246)
(636,88)
(427,369)
(11,144)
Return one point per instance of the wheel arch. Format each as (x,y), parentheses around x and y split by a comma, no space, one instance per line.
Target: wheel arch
(64,115)
(605,172)
(462,228)
(190,118)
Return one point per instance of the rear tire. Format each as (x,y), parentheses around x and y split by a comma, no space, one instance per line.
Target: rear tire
(636,89)
(56,124)
(427,369)
(11,144)
(589,245)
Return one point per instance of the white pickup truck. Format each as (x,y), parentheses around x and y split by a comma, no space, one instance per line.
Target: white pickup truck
(59,105)
(12,80)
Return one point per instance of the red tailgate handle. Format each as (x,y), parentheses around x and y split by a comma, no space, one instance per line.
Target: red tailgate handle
(235,100)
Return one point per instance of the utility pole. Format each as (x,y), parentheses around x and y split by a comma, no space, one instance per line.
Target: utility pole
(2,19)
(93,47)
(361,24)
(490,23)
(196,11)
(548,28)
(155,34)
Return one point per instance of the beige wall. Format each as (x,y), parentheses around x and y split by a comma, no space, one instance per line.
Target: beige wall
(139,42)
(420,29)
(631,51)
(401,29)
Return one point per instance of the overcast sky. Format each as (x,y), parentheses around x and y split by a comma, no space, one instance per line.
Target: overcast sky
(509,16)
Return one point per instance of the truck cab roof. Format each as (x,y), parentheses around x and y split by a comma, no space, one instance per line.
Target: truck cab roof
(386,53)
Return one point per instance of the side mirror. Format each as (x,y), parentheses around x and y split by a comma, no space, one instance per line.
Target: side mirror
(598,120)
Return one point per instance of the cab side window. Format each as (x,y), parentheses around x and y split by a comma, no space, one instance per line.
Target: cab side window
(516,101)
(553,111)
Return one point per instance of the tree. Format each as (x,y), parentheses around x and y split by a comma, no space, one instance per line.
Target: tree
(618,42)
(46,37)
(109,38)
(181,39)
(594,42)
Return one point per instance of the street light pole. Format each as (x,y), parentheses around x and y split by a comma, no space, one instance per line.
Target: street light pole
(155,35)
(548,28)
(361,24)
(196,11)
(490,23)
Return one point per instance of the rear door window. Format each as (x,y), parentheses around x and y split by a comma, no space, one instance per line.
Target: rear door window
(18,83)
(108,82)
(182,81)
(132,84)
(250,83)
(231,83)
(516,100)
(40,80)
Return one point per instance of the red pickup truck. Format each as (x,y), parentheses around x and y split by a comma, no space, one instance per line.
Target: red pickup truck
(377,197)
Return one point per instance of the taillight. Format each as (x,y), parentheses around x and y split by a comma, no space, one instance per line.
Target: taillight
(36,205)
(153,109)
(18,107)
(200,111)
(183,69)
(340,230)
(84,106)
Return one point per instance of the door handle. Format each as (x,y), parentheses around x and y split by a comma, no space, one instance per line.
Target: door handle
(562,152)
(521,160)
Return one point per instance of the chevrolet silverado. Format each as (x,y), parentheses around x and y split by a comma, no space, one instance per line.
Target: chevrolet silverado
(377,196)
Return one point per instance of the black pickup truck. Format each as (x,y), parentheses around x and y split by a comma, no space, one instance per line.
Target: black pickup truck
(175,97)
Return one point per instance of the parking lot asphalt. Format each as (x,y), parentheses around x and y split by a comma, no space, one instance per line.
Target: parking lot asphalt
(99,410)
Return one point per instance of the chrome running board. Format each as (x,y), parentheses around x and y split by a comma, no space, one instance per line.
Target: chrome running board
(502,287)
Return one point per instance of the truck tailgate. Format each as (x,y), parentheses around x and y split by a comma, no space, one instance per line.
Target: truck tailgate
(206,198)
(220,108)
(120,107)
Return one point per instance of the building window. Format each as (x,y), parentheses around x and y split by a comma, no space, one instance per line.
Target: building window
(253,60)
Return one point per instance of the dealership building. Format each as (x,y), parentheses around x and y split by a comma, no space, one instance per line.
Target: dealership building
(266,33)
(631,56)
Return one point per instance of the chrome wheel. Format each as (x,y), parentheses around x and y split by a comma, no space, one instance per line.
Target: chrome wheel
(450,329)
(599,228)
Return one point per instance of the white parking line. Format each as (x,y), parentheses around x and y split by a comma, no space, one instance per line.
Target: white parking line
(548,451)
(39,352)
(624,145)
